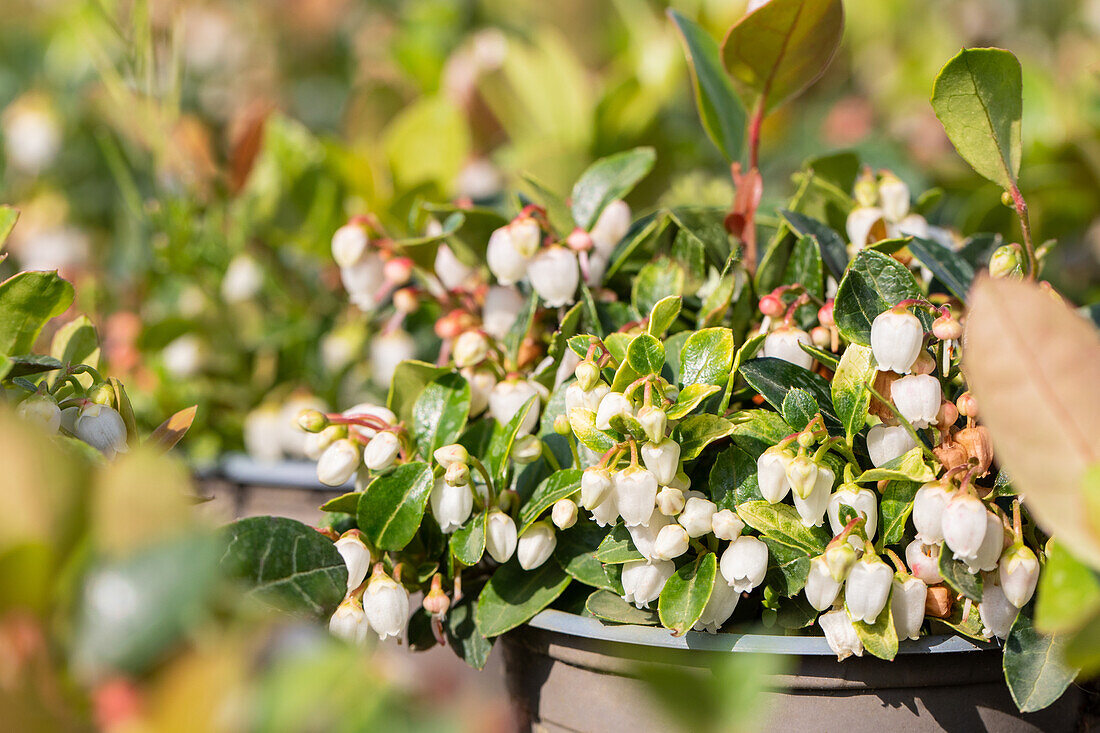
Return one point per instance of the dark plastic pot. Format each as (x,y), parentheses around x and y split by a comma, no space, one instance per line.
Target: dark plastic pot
(570,673)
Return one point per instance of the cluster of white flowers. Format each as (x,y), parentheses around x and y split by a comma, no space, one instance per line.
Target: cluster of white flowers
(883,212)
(380,605)
(100,426)
(365,435)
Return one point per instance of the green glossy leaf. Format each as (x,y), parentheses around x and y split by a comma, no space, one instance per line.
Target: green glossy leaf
(440,412)
(781,522)
(799,407)
(521,326)
(607,180)
(773,378)
(874,282)
(8,216)
(617,547)
(463,636)
(696,432)
(707,357)
(733,479)
(948,267)
(720,110)
(608,606)
(664,315)
(781,48)
(628,425)
(468,541)
(27,301)
(576,553)
(559,485)
(583,423)
(851,398)
(686,593)
(409,379)
(557,210)
(804,268)
(646,355)
(513,595)
(392,506)
(347,503)
(77,343)
(689,398)
(908,467)
(1069,592)
(956,575)
(788,567)
(978,97)
(702,233)
(503,437)
(1034,665)
(31,364)
(970,627)
(657,280)
(895,507)
(757,430)
(285,564)
(879,638)
(833,251)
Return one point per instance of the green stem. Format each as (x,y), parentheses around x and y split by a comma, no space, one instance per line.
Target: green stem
(485,475)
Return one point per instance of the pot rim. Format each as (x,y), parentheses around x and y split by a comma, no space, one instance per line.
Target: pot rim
(652,636)
(243,469)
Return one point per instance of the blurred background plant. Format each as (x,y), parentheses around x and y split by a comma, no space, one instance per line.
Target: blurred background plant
(186,163)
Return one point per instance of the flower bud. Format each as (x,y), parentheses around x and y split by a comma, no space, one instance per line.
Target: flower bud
(654,422)
(381,451)
(589,400)
(825,314)
(924,561)
(506,262)
(526,449)
(451,454)
(436,601)
(595,487)
(457,474)
(101,427)
(508,398)
(720,606)
(896,339)
(863,501)
(349,244)
(387,605)
(771,306)
(671,542)
(840,634)
(907,607)
(821,337)
(500,536)
(535,545)
(802,475)
(41,411)
(726,525)
(398,270)
(967,405)
(662,459)
(555,275)
(947,415)
(811,509)
(928,507)
(312,421)
(996,611)
(1018,572)
(1008,261)
(500,310)
(643,581)
(356,557)
(840,559)
(893,197)
(867,588)
(771,473)
(864,226)
(612,404)
(821,588)
(783,343)
(635,494)
(564,513)
(670,501)
(451,504)
(588,375)
(917,398)
(470,348)
(744,563)
(978,446)
(993,543)
(698,516)
(887,442)
(349,622)
(964,525)
(946,328)
(450,270)
(338,463)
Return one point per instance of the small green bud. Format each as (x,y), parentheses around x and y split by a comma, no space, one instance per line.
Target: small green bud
(1006,199)
(312,421)
(102,394)
(588,374)
(1008,261)
(561,425)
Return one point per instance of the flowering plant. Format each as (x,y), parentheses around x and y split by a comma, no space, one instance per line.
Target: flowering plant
(660,422)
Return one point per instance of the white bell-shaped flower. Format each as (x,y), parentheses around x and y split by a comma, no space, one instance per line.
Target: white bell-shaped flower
(481,381)
(840,634)
(996,611)
(635,494)
(907,607)
(811,510)
(611,226)
(887,442)
(662,459)
(387,351)
(500,536)
(451,505)
(924,561)
(315,444)
(387,605)
(783,343)
(364,280)
(654,422)
(670,501)
(1018,572)
(993,544)
(41,411)
(913,225)
(861,222)
(744,563)
(802,475)
(606,513)
(509,397)
(964,525)
(564,513)
(243,279)
(771,473)
(381,451)
(821,588)
(586,399)
(356,556)
(612,404)
(555,275)
(645,535)
(917,398)
(470,348)
(893,197)
(500,310)
(928,505)
(535,545)
(526,449)
(671,542)
(338,463)
(450,270)
(867,588)
(698,516)
(101,427)
(727,525)
(350,244)
(720,606)
(896,339)
(595,487)
(349,622)
(862,500)
(366,409)
(505,261)
(643,581)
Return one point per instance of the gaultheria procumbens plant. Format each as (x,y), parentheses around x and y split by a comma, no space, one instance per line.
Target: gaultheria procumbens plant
(664,423)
